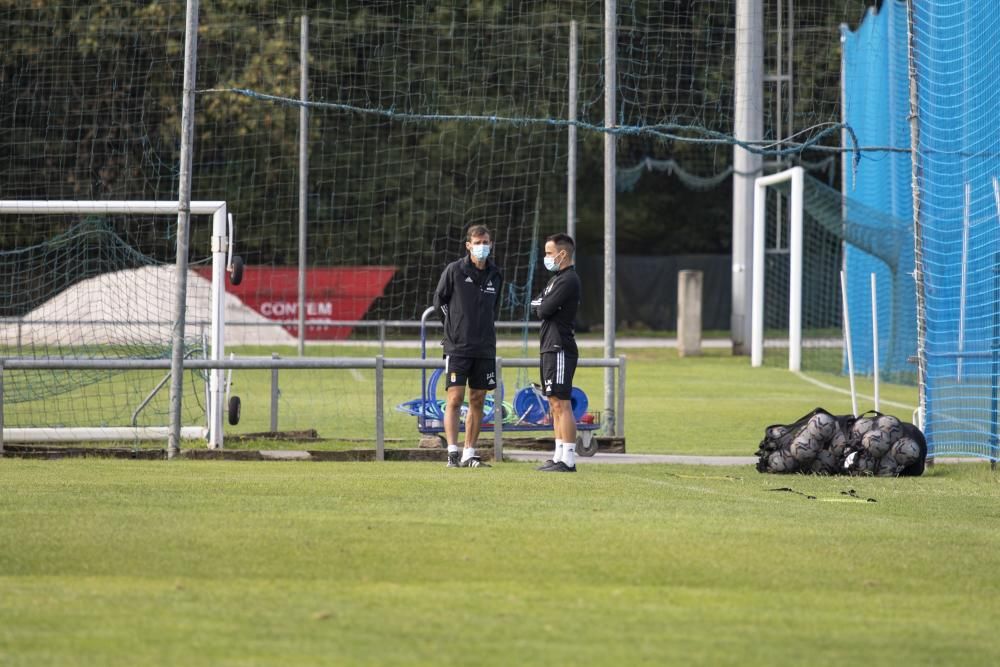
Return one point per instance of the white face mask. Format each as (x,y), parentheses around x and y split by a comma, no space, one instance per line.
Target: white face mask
(480,252)
(551,263)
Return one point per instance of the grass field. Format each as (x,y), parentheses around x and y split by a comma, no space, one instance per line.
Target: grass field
(715,404)
(107,562)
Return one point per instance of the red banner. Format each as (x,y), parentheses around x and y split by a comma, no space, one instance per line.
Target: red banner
(336,293)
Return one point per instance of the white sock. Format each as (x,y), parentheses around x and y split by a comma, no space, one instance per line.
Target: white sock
(569,453)
(557,455)
(452,449)
(468,453)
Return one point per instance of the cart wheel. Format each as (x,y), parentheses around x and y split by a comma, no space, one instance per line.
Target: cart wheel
(585,443)
(234,410)
(236,271)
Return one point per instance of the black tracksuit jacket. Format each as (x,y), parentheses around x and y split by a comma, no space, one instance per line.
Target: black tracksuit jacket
(557,307)
(468,301)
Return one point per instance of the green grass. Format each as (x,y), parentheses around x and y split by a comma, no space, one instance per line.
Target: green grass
(712,405)
(221,563)
(715,404)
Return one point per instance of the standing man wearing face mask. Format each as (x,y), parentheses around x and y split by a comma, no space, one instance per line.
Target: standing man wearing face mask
(468,299)
(557,307)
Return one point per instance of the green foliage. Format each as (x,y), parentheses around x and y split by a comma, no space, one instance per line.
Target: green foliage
(93,111)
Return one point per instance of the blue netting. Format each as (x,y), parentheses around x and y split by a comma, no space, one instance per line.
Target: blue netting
(957,62)
(876,99)
(959,198)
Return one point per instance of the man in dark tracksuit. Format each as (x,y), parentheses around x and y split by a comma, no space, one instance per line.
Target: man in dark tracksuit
(557,308)
(468,300)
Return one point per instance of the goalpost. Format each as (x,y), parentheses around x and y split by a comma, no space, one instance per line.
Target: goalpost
(796,176)
(117,343)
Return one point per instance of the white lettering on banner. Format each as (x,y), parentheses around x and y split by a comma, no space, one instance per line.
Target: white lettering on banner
(288,309)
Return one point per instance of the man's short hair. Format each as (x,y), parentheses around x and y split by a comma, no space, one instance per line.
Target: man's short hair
(563,242)
(477,230)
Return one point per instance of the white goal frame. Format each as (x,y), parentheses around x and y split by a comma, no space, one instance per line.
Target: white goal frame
(220,250)
(797,177)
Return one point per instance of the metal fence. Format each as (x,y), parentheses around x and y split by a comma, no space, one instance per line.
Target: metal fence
(379,363)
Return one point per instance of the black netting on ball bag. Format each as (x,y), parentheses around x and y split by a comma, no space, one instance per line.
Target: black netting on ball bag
(820,443)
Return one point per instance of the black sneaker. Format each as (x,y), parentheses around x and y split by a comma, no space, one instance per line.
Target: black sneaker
(473,462)
(560,467)
(545,466)
(454,460)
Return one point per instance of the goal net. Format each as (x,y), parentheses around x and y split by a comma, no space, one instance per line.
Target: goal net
(801,310)
(102,290)
(420,119)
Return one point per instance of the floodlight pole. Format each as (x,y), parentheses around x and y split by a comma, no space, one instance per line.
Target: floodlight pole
(610,95)
(571,141)
(303,174)
(748,126)
(183,224)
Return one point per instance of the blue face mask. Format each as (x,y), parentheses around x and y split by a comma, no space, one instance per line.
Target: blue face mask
(551,264)
(480,252)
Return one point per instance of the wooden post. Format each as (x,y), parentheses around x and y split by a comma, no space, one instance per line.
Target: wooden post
(689,313)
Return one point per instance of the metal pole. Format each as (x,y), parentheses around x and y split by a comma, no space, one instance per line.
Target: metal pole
(620,422)
(875,338)
(381,337)
(498,414)
(1,407)
(748,126)
(571,154)
(966,212)
(918,252)
(610,95)
(303,174)
(847,343)
(379,411)
(274,395)
(183,223)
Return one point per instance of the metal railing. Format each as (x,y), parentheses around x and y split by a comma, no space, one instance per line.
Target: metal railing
(379,363)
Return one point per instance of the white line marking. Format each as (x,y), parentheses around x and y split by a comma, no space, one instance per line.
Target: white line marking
(838,390)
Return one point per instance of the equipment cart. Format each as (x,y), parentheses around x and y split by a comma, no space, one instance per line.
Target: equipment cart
(529,411)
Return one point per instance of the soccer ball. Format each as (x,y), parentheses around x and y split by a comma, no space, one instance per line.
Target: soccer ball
(890,426)
(821,426)
(859,463)
(782,461)
(905,451)
(837,444)
(825,464)
(775,432)
(805,447)
(876,443)
(887,467)
(861,426)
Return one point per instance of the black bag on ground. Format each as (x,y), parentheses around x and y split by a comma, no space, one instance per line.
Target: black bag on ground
(826,444)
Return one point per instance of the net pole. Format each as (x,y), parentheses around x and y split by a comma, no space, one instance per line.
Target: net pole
(183,224)
(610,95)
(875,337)
(967,205)
(847,343)
(571,153)
(303,174)
(918,252)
